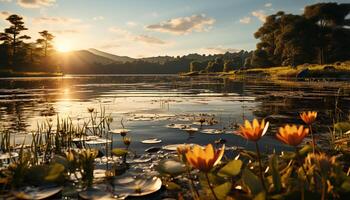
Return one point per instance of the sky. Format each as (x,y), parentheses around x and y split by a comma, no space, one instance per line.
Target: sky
(144,28)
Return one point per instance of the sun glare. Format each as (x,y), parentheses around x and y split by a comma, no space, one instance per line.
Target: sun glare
(63,47)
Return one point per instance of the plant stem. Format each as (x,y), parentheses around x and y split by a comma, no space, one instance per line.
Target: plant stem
(192,182)
(260,166)
(210,187)
(313,139)
(301,164)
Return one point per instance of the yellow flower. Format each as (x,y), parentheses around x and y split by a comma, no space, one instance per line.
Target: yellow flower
(308,117)
(69,155)
(253,131)
(91,110)
(292,135)
(204,159)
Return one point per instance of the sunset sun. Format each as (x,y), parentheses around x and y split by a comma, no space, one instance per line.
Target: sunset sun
(63,47)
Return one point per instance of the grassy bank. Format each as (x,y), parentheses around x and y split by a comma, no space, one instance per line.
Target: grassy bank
(10,73)
(305,71)
(342,71)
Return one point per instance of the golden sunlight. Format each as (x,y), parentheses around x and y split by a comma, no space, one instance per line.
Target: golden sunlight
(63,46)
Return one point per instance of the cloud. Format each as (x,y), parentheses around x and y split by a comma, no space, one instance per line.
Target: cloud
(245,20)
(220,50)
(120,32)
(131,24)
(98,18)
(149,39)
(55,20)
(267,5)
(66,31)
(4,14)
(184,25)
(35,3)
(109,46)
(128,36)
(260,14)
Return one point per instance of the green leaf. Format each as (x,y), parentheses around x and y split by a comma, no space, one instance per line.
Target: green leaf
(222,190)
(342,126)
(55,172)
(305,150)
(346,185)
(251,181)
(119,152)
(232,168)
(287,155)
(276,177)
(172,186)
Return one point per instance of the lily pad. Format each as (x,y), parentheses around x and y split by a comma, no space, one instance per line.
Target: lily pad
(151,141)
(136,186)
(36,193)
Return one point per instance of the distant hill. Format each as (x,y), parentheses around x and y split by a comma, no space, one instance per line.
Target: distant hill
(113,57)
(96,61)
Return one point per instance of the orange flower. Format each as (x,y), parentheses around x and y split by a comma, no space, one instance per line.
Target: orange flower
(253,131)
(292,135)
(204,159)
(308,117)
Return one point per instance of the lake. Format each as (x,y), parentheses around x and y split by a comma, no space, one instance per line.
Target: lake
(147,104)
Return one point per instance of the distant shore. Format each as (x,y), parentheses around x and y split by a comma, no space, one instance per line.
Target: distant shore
(10,73)
(305,71)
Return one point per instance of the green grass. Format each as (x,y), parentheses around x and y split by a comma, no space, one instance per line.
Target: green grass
(315,71)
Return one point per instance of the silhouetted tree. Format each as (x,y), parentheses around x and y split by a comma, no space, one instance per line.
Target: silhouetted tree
(12,36)
(45,42)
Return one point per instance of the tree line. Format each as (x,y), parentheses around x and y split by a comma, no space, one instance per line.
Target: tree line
(320,35)
(17,54)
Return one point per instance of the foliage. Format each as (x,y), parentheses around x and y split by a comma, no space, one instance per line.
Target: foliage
(319,35)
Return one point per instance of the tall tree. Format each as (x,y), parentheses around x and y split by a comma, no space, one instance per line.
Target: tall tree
(12,35)
(46,41)
(330,17)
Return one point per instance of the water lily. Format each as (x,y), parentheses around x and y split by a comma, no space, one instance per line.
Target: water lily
(292,135)
(204,159)
(308,117)
(253,131)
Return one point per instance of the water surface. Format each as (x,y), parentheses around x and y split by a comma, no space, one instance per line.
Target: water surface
(25,102)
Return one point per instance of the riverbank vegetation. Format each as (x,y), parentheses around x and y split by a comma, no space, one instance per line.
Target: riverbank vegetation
(64,159)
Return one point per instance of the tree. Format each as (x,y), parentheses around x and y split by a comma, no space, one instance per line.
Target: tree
(195,66)
(330,17)
(12,36)
(46,41)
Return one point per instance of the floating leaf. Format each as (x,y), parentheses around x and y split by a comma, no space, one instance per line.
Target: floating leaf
(222,190)
(251,181)
(232,168)
(171,167)
(276,177)
(119,152)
